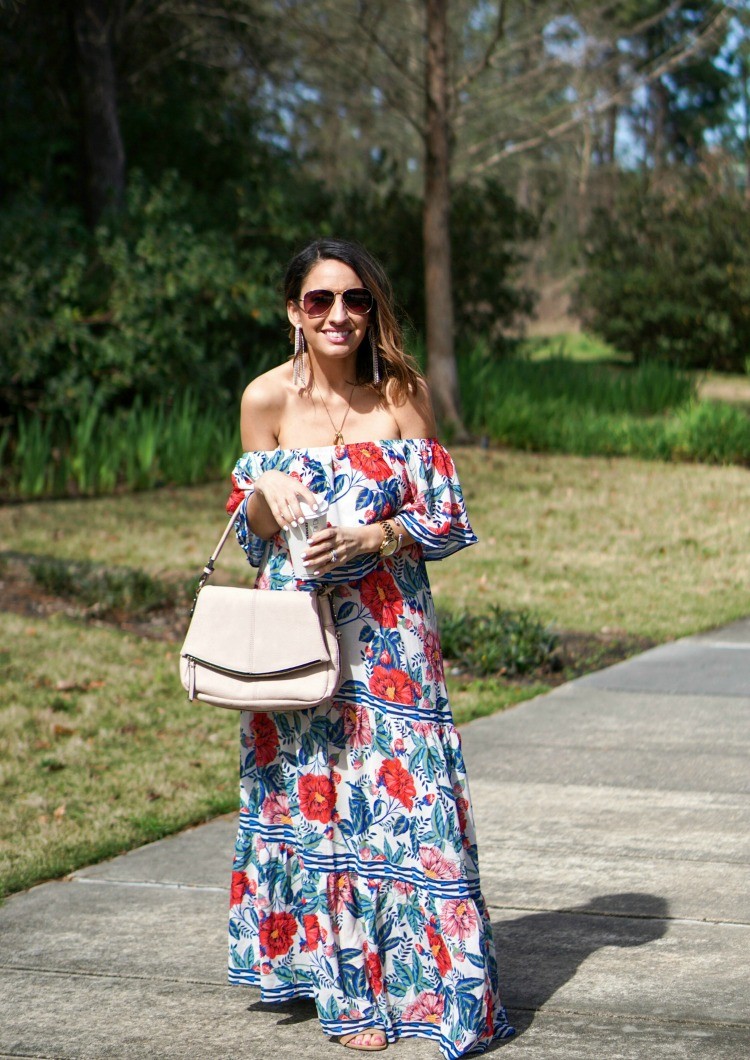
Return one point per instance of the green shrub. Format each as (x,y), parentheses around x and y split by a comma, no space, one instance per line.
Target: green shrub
(667,277)
(496,641)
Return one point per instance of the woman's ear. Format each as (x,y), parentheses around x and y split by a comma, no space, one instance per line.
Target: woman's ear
(293,313)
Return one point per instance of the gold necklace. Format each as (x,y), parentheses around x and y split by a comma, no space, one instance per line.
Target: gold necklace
(338,437)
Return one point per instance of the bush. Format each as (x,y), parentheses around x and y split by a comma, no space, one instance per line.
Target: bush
(147,306)
(496,641)
(667,277)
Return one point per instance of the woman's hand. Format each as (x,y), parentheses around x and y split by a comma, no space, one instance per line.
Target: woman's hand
(277,497)
(337,545)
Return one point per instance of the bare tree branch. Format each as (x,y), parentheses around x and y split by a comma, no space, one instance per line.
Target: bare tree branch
(591,108)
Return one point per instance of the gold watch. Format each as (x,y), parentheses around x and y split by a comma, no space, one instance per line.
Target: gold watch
(390,541)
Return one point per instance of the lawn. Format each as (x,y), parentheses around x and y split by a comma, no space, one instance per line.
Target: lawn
(646,547)
(102,752)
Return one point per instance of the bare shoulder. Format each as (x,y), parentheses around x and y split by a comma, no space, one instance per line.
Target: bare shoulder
(414,413)
(261,407)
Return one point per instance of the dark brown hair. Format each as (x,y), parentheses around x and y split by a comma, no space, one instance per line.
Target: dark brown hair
(384,330)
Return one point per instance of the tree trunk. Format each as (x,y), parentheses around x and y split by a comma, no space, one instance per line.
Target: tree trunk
(441,356)
(659,101)
(93,22)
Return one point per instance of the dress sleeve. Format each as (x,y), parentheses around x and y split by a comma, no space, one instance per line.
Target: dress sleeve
(435,515)
(248,468)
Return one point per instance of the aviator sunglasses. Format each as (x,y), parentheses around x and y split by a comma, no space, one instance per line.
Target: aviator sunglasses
(357,300)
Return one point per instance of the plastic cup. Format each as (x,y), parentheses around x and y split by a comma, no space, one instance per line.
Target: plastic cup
(298,536)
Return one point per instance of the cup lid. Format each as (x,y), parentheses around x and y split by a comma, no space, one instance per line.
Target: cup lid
(311,513)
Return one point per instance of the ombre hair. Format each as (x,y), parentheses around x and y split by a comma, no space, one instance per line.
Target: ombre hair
(383,328)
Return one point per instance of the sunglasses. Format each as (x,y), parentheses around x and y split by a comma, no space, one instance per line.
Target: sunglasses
(357,300)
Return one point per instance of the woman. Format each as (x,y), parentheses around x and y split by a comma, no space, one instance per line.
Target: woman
(355,877)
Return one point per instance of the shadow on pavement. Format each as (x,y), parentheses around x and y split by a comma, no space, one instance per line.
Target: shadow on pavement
(289,1012)
(541,952)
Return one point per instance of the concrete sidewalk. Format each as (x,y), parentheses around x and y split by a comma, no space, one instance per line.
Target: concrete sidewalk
(614,827)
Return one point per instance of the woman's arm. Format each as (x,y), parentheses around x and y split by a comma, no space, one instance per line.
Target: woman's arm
(275,502)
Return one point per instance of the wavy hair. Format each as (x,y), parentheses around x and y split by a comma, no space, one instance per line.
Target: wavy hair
(396,366)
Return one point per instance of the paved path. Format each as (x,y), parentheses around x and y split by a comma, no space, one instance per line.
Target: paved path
(614,826)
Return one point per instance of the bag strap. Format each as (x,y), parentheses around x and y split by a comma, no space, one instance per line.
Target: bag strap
(209,567)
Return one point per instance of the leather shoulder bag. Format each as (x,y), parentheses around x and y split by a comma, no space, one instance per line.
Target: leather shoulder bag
(259,649)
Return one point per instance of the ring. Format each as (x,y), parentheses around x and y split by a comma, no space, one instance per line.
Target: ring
(334,557)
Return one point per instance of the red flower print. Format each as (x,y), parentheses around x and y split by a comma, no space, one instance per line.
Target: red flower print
(239,888)
(434,653)
(439,950)
(368,458)
(374,973)
(426,1008)
(357,725)
(275,808)
(398,782)
(489,1002)
(393,685)
(442,461)
(277,931)
(459,918)
(381,598)
(312,933)
(266,739)
(236,497)
(339,892)
(317,797)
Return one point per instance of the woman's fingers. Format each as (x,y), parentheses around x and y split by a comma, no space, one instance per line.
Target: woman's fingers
(327,549)
(283,495)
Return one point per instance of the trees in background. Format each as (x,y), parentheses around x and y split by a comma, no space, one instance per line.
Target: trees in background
(667,275)
(201,142)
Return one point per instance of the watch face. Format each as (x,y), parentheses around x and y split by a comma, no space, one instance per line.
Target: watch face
(389,547)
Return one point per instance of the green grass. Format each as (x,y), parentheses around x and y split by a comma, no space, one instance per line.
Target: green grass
(650,548)
(471,699)
(102,751)
(593,408)
(573,346)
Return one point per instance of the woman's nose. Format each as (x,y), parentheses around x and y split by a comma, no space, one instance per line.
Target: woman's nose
(338,311)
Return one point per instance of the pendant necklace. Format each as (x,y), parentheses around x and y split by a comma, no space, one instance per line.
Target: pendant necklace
(338,437)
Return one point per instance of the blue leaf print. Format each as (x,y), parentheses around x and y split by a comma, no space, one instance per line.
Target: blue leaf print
(345,610)
(359,810)
(364,499)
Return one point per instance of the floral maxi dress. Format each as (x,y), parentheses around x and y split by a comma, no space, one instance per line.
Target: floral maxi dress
(355,875)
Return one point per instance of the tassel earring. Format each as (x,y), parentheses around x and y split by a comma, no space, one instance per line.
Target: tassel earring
(375,361)
(298,370)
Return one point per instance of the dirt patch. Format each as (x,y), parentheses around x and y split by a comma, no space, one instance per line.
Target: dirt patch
(21,595)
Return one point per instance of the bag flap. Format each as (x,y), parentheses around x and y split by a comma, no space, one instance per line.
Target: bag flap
(255,631)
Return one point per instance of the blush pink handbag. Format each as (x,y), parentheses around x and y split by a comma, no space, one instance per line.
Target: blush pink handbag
(259,649)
